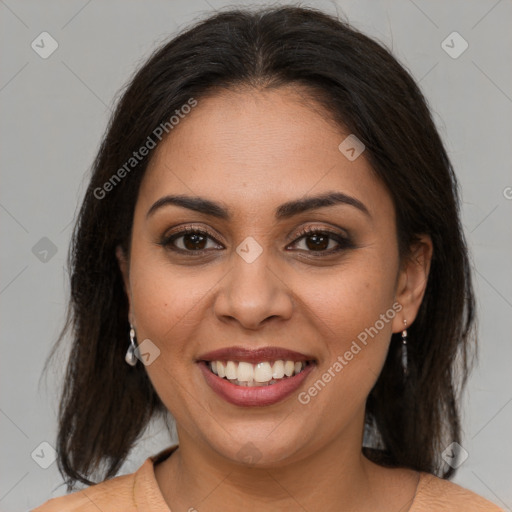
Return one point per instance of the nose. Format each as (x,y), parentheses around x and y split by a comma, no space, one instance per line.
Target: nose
(252,293)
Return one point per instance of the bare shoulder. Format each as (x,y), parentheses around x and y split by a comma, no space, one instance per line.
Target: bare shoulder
(435,494)
(114,495)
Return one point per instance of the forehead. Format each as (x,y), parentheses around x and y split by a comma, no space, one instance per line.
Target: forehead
(253,149)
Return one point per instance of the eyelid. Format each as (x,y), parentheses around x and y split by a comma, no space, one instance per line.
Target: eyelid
(168,238)
(317,229)
(343,240)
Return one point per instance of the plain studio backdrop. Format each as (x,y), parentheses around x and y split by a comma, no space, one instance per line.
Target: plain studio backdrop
(55,99)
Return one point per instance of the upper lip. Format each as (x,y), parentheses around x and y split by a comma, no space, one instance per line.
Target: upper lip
(254,355)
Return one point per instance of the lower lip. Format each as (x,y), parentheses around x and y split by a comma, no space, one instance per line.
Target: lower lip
(256,396)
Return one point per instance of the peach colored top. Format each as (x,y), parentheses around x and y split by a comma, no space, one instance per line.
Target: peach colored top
(139,492)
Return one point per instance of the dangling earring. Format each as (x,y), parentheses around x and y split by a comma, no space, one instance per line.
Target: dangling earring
(404,350)
(130,356)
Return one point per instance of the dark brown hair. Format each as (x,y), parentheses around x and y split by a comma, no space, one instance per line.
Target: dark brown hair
(105,403)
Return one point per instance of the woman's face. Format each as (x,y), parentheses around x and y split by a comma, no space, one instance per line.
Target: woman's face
(257,281)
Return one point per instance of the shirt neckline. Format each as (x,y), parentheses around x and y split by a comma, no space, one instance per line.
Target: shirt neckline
(146,493)
(146,488)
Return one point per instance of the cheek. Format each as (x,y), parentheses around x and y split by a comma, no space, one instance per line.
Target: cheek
(352,309)
(351,298)
(356,339)
(165,303)
(171,304)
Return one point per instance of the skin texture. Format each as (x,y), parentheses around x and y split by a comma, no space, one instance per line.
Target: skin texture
(251,151)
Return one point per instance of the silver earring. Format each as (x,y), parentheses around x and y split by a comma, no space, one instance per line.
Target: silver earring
(404,350)
(130,356)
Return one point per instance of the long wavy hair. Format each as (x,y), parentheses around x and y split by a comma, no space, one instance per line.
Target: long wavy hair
(106,404)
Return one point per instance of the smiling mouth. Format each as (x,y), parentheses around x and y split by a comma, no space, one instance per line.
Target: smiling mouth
(265,373)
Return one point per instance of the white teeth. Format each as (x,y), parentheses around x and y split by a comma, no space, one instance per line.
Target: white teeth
(245,372)
(289,367)
(261,374)
(278,370)
(231,372)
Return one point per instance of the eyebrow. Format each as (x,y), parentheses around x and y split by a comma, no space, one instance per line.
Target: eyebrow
(284,211)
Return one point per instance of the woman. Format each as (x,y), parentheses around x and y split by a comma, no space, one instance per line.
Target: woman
(269,250)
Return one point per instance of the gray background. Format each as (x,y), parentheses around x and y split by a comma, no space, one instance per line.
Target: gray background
(54,112)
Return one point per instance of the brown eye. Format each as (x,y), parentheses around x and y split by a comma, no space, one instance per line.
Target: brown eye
(194,241)
(190,240)
(317,242)
(322,242)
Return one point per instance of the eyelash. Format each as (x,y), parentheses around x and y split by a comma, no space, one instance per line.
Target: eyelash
(343,242)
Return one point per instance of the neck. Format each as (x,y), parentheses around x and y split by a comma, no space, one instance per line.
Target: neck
(328,473)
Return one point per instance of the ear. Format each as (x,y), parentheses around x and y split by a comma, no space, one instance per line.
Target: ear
(124,268)
(412,281)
